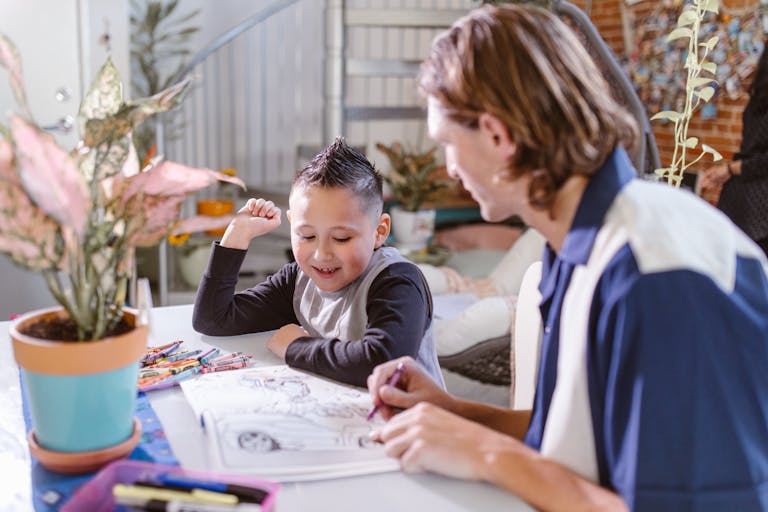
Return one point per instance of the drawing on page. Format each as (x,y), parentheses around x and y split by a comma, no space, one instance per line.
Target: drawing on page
(287,424)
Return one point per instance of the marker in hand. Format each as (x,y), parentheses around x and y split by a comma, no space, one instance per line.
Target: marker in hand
(393,380)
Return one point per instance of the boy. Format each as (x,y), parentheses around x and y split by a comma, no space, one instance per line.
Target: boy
(347,303)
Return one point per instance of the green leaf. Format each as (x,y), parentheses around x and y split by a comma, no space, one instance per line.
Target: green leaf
(104,96)
(710,5)
(710,43)
(666,114)
(691,142)
(705,93)
(699,81)
(679,33)
(686,18)
(716,156)
(709,67)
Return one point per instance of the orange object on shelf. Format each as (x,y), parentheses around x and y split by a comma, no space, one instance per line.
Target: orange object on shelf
(214,208)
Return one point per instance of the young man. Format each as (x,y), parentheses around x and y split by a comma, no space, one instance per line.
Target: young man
(347,303)
(652,389)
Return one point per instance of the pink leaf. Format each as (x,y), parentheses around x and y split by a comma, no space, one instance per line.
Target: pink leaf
(7,172)
(171,178)
(201,223)
(50,176)
(10,59)
(27,234)
(154,218)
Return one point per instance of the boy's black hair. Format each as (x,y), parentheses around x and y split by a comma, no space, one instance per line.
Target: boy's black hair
(340,165)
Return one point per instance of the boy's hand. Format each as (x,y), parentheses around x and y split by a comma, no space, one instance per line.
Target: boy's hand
(287,334)
(256,218)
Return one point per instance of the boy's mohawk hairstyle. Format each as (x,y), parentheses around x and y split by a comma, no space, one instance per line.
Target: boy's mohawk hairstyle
(340,165)
(335,165)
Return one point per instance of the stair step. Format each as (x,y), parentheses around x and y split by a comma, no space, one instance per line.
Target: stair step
(419,18)
(382,67)
(384,113)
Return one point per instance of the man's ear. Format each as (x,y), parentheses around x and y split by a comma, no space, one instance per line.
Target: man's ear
(382,229)
(496,131)
(288,215)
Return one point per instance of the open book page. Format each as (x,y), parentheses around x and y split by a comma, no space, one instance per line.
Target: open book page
(286,425)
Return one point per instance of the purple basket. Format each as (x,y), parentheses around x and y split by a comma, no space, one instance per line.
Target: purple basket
(96,494)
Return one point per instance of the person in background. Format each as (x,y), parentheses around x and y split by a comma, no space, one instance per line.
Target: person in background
(347,303)
(744,181)
(652,389)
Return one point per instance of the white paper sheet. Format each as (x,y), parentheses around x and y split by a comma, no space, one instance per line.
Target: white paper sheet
(286,425)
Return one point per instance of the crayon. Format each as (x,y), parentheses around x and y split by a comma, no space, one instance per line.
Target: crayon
(161,384)
(239,359)
(224,367)
(393,380)
(209,355)
(160,353)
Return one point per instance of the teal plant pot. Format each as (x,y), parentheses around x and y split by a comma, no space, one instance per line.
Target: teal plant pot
(75,413)
(81,394)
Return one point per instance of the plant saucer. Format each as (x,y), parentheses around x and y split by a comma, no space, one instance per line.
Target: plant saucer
(76,463)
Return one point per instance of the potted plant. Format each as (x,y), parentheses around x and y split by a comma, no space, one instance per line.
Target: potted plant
(412,184)
(76,217)
(698,89)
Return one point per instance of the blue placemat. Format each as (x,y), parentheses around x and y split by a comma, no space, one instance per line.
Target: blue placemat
(51,490)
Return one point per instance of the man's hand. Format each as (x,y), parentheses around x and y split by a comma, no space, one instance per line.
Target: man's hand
(256,218)
(284,336)
(413,386)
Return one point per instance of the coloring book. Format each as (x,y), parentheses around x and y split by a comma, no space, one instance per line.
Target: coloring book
(286,425)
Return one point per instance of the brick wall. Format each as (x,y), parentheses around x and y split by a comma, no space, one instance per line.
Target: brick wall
(722,133)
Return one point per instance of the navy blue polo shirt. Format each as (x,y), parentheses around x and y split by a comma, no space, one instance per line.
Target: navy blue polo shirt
(653,375)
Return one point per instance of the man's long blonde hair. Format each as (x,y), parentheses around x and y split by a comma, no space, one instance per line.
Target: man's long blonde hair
(524,66)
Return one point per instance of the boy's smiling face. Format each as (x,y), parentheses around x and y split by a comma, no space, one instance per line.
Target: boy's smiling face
(333,235)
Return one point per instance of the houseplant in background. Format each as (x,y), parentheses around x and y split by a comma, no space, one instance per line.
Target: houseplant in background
(698,89)
(159,38)
(412,183)
(77,217)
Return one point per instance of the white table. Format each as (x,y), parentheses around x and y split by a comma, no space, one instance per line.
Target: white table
(383,492)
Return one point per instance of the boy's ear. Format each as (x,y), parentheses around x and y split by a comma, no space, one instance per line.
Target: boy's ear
(382,230)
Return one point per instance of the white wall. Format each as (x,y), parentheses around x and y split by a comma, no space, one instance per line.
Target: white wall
(58,43)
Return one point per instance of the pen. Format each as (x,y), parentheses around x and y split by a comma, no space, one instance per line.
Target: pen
(393,380)
(243,492)
(155,505)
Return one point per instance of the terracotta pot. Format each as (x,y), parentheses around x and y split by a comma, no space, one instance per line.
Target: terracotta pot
(215,208)
(81,395)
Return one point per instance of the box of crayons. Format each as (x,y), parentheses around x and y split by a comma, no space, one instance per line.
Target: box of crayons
(136,485)
(167,365)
